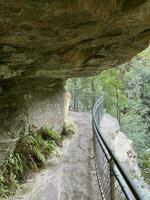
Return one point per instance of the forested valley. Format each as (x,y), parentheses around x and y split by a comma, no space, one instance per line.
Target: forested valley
(126,92)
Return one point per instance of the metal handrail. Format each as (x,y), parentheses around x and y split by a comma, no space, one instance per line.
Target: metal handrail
(105,147)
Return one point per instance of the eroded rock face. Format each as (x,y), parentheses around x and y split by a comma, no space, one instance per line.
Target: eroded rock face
(29,102)
(67,38)
(43,42)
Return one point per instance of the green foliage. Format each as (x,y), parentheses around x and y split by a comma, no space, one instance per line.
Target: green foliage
(126,92)
(136,120)
(109,84)
(30,154)
(50,135)
(68,129)
(145,165)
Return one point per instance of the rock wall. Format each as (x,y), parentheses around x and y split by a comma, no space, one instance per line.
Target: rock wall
(23,102)
(68,38)
(43,42)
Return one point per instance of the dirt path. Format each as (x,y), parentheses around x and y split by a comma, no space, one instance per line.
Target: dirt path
(72,176)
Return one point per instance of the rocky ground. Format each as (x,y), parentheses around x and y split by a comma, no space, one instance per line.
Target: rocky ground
(72,176)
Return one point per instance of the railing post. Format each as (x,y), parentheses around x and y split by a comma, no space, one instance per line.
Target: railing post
(99,116)
(77,103)
(112,179)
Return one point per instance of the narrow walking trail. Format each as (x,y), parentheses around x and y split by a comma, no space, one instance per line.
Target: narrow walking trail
(72,176)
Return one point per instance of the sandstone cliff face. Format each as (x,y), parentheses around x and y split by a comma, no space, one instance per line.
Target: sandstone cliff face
(43,42)
(67,38)
(27,102)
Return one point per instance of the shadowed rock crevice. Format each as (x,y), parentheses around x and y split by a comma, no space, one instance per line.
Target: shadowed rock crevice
(129,5)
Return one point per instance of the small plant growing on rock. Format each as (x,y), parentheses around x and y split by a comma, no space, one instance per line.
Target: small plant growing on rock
(68,129)
(49,134)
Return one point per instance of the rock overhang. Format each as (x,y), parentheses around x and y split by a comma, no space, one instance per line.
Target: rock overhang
(68,38)
(43,42)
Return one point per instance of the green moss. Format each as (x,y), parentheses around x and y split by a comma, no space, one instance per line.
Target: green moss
(30,153)
(68,129)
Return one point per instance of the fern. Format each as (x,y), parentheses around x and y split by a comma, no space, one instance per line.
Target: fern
(30,153)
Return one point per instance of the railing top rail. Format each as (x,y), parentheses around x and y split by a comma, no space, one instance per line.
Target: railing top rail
(133,188)
(85,94)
